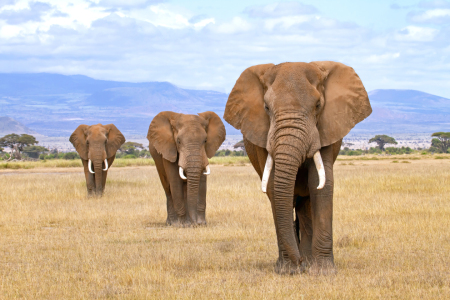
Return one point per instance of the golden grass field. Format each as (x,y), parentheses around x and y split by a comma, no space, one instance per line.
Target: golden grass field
(391,236)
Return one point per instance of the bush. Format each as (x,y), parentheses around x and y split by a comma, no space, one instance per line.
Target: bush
(229,153)
(402,150)
(129,156)
(70,155)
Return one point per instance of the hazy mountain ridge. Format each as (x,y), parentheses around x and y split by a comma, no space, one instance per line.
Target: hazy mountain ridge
(54,105)
(9,125)
(406,111)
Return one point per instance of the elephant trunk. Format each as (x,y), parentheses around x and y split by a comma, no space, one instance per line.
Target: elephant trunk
(286,168)
(97,161)
(194,171)
(98,177)
(292,142)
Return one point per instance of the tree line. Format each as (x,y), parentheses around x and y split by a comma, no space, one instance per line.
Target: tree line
(25,146)
(439,144)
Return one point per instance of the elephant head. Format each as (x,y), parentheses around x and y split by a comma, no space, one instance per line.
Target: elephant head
(96,144)
(293,110)
(188,140)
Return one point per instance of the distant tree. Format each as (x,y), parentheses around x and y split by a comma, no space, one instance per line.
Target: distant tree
(441,142)
(382,140)
(131,148)
(17,142)
(34,151)
(240,145)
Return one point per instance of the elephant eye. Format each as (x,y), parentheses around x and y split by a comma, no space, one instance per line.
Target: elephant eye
(178,140)
(266,107)
(205,140)
(318,105)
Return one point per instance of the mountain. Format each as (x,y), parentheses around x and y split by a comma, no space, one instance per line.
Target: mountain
(55,105)
(406,111)
(9,125)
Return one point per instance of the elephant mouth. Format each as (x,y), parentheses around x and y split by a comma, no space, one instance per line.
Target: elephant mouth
(90,166)
(206,172)
(269,165)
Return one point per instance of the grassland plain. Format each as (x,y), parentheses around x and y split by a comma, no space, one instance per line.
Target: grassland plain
(391,236)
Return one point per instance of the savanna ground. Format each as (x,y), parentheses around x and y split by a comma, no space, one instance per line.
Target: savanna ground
(391,235)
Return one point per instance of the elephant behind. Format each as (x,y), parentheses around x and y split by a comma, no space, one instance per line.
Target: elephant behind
(293,117)
(97,146)
(181,145)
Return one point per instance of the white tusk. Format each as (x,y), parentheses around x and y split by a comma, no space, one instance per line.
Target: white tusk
(267,170)
(208,171)
(106,165)
(182,174)
(90,167)
(320,169)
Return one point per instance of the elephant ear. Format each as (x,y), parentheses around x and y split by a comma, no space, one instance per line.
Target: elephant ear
(346,101)
(78,140)
(115,140)
(245,106)
(160,135)
(215,132)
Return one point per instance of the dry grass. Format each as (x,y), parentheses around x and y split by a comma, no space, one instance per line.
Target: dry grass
(118,162)
(391,233)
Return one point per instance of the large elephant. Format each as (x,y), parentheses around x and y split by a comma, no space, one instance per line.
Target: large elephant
(293,117)
(181,145)
(97,146)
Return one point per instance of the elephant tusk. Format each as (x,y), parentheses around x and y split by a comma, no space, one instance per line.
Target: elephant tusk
(182,174)
(208,171)
(106,165)
(90,167)
(320,169)
(267,170)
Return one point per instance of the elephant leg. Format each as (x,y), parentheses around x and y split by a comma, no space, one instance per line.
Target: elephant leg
(176,190)
(304,221)
(90,180)
(201,206)
(105,173)
(188,218)
(172,216)
(322,215)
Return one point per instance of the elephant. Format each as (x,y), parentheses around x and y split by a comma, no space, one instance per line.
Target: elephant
(97,146)
(293,117)
(181,144)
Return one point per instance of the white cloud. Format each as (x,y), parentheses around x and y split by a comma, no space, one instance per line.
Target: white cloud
(383,58)
(438,15)
(237,24)
(145,41)
(280,9)
(416,34)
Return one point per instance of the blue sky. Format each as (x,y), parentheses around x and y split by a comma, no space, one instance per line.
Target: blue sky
(203,44)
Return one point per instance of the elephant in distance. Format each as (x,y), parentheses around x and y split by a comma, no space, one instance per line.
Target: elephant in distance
(181,144)
(97,146)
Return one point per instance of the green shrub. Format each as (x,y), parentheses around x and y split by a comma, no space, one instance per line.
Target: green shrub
(129,156)
(70,155)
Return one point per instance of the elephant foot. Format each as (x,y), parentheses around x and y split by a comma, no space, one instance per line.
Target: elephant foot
(201,221)
(287,267)
(324,268)
(179,222)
